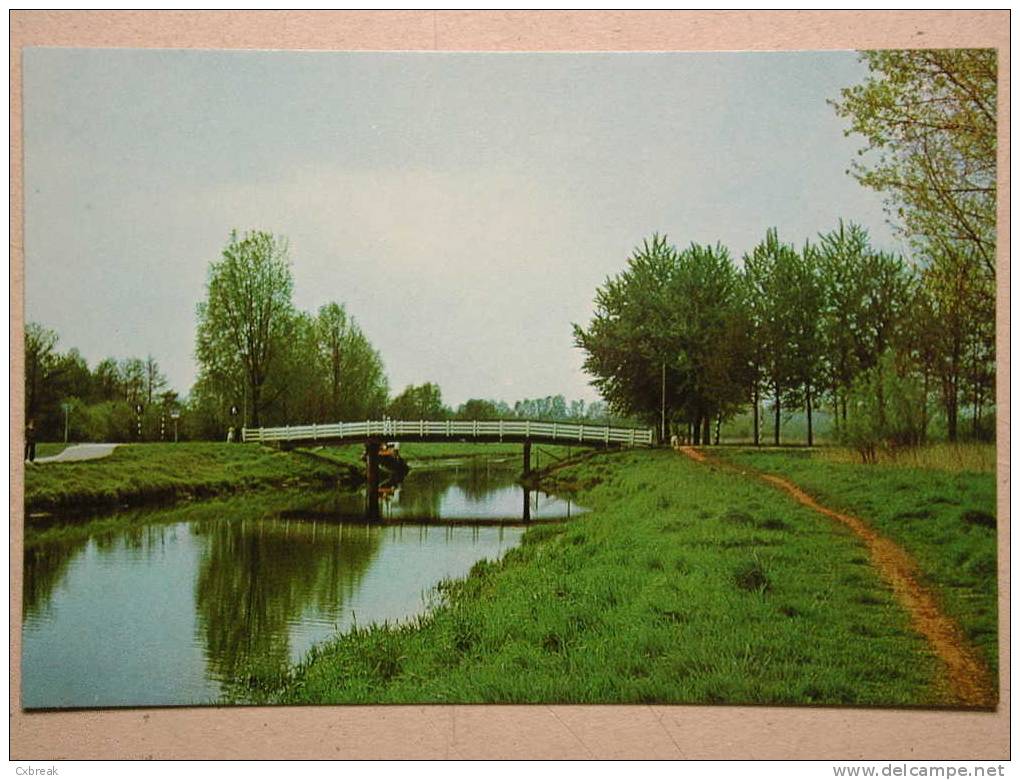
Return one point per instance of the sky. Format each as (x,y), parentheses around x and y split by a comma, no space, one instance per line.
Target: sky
(464,207)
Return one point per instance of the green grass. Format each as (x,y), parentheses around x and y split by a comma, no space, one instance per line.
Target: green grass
(944,517)
(142,473)
(965,456)
(46,449)
(681,585)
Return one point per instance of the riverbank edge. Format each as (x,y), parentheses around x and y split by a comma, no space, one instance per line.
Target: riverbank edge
(289,689)
(537,534)
(88,503)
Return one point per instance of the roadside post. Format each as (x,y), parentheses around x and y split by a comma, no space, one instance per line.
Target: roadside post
(138,419)
(67,409)
(175,415)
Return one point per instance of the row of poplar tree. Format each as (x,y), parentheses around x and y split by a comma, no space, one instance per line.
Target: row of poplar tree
(689,336)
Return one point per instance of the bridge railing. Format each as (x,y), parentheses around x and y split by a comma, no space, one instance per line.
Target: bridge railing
(454,429)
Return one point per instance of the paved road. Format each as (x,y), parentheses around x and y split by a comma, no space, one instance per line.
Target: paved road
(80,452)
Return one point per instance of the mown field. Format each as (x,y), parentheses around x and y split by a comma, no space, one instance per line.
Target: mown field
(683,584)
(943,514)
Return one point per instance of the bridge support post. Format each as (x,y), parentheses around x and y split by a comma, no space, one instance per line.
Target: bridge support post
(527,456)
(527,506)
(372,478)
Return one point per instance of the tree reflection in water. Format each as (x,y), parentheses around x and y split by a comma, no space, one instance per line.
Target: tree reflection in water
(235,590)
(256,577)
(46,566)
(47,563)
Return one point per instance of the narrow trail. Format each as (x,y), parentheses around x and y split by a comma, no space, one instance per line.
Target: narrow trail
(970,682)
(80,452)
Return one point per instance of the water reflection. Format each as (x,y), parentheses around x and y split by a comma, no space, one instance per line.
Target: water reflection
(257,576)
(169,606)
(473,493)
(45,568)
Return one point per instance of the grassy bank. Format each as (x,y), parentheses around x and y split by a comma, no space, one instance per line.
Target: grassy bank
(943,515)
(256,503)
(681,585)
(47,449)
(144,473)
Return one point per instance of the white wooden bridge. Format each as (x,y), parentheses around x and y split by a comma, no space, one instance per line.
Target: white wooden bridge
(373,433)
(452,430)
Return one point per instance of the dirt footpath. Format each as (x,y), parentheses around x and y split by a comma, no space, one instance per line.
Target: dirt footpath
(970,682)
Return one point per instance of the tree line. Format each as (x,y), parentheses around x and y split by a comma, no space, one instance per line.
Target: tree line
(685,338)
(691,337)
(277,365)
(262,362)
(268,362)
(682,338)
(425,402)
(101,402)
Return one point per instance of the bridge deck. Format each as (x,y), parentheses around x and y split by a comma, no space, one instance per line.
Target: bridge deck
(453,430)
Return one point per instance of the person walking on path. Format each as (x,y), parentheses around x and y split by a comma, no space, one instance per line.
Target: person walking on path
(30,441)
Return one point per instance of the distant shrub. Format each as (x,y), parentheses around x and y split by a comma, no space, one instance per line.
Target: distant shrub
(885,409)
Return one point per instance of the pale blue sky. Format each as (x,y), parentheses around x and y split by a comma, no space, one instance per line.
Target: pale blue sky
(463,206)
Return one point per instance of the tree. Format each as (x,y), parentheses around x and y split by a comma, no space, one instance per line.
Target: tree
(962,334)
(886,408)
(708,296)
(551,407)
(333,330)
(666,343)
(769,271)
(841,263)
(421,402)
(366,379)
(40,365)
(805,285)
(106,380)
(295,391)
(632,342)
(132,379)
(246,311)
(356,378)
(478,409)
(864,306)
(71,377)
(929,118)
(155,382)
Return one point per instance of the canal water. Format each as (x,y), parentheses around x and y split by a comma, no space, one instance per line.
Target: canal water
(171,606)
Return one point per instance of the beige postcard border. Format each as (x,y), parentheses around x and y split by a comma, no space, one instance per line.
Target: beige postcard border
(507,731)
